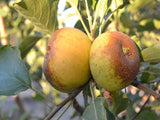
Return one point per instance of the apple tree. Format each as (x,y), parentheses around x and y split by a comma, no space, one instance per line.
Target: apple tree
(26,26)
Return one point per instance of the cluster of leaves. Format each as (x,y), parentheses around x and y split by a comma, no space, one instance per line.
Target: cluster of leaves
(138,18)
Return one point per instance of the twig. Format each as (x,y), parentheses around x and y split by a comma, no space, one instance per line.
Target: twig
(19,103)
(42,95)
(134,117)
(70,97)
(137,84)
(65,110)
(77,107)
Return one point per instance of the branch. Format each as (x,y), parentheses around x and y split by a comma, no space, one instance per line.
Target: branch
(134,117)
(19,103)
(137,84)
(70,97)
(77,107)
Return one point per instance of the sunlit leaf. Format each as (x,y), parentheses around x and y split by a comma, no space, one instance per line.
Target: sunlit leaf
(14,77)
(101,9)
(42,13)
(93,3)
(73,2)
(152,54)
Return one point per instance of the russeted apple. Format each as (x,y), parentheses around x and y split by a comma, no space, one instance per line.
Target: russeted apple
(66,64)
(114,60)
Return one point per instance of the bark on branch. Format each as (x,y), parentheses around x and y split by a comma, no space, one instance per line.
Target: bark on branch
(137,84)
(70,97)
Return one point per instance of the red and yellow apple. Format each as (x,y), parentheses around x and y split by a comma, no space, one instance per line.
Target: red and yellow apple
(114,60)
(66,64)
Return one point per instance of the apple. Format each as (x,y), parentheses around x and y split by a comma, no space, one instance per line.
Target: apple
(114,60)
(66,64)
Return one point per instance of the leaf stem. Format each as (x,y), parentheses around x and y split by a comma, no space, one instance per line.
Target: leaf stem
(89,21)
(79,15)
(65,110)
(44,96)
(92,91)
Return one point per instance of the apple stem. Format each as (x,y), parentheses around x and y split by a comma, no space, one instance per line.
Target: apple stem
(137,84)
(65,101)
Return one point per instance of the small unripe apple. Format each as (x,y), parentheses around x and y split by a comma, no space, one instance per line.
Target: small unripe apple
(66,64)
(114,60)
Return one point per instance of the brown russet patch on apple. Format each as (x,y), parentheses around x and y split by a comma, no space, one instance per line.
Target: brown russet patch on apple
(126,62)
(66,60)
(50,51)
(50,76)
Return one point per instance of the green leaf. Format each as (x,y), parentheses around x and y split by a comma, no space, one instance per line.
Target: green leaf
(93,3)
(125,2)
(14,78)
(121,104)
(130,111)
(139,4)
(42,13)
(27,44)
(80,26)
(127,21)
(101,9)
(146,77)
(95,111)
(151,73)
(110,115)
(146,25)
(147,115)
(152,54)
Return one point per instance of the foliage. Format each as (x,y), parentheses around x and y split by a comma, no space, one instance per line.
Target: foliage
(29,25)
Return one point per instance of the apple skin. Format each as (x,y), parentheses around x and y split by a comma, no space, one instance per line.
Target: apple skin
(66,64)
(114,60)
